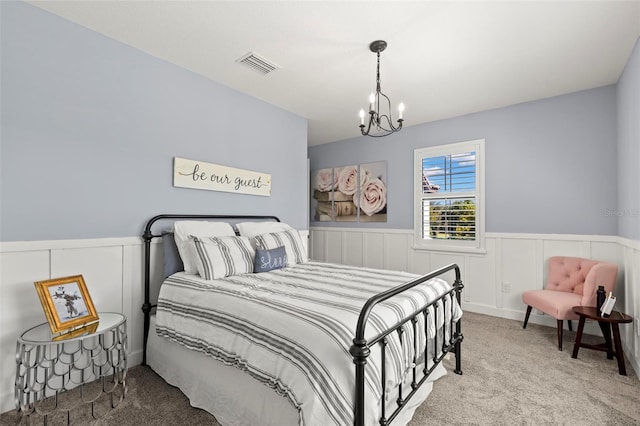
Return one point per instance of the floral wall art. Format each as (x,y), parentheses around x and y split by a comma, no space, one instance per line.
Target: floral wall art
(355,193)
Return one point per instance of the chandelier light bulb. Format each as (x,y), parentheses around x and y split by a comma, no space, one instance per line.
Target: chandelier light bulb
(372,102)
(400,110)
(362,117)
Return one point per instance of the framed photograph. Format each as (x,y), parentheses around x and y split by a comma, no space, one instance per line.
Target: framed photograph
(66,303)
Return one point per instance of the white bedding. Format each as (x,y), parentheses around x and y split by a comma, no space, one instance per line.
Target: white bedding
(232,396)
(291,329)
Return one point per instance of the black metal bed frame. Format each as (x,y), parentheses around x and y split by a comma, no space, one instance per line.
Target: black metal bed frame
(147,236)
(361,348)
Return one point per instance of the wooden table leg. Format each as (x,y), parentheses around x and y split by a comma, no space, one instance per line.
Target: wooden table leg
(576,345)
(619,353)
(606,332)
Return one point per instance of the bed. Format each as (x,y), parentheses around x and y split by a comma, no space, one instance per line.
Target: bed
(302,343)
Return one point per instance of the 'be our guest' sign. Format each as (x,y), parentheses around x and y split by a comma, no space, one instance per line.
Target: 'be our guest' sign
(213,177)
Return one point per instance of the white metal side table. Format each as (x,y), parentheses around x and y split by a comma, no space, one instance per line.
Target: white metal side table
(50,367)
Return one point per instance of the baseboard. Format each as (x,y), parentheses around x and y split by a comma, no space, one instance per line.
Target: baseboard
(7,402)
(534,318)
(134,358)
(493,311)
(628,351)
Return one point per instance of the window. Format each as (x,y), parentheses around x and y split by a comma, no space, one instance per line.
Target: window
(449,204)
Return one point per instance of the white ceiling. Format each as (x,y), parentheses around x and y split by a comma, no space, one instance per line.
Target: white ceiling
(443,59)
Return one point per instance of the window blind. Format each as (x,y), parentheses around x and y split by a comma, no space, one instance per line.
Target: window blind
(449,197)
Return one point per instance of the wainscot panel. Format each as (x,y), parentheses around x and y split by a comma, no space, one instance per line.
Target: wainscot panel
(354,251)
(630,259)
(102,269)
(20,309)
(482,275)
(494,281)
(335,247)
(373,249)
(395,251)
(112,269)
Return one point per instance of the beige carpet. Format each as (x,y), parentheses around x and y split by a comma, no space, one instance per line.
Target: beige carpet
(511,377)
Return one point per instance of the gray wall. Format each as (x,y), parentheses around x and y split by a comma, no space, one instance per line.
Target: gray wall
(550,164)
(90,127)
(628,91)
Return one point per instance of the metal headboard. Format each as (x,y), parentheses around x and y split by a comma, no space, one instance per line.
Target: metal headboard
(147,236)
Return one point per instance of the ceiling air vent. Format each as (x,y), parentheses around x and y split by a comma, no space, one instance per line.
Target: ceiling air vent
(258,63)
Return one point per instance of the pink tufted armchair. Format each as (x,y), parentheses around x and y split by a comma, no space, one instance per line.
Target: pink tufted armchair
(571,281)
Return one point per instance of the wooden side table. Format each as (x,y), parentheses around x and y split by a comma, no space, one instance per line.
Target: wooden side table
(607,325)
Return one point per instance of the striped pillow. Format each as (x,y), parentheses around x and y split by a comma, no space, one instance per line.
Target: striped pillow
(289,239)
(219,257)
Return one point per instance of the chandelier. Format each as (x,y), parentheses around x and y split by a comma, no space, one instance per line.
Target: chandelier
(380,122)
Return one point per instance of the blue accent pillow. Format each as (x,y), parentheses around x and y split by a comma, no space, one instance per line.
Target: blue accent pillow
(172,260)
(268,260)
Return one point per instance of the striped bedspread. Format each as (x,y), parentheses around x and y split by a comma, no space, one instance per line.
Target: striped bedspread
(291,329)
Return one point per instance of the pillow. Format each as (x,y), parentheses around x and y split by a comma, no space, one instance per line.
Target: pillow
(219,257)
(184,230)
(172,262)
(289,239)
(268,260)
(251,229)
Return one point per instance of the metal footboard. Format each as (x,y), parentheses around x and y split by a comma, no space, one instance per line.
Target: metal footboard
(361,348)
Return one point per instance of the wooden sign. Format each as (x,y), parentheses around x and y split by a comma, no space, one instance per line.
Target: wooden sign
(213,177)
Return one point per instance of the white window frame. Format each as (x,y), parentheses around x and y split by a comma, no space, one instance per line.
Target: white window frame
(420,243)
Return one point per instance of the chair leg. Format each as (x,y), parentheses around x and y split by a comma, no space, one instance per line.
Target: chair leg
(526,317)
(560,326)
(570,326)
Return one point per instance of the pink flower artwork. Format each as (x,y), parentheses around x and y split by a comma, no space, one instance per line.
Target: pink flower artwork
(353,193)
(326,180)
(348,179)
(373,197)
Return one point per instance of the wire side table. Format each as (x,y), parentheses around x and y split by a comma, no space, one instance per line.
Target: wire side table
(47,367)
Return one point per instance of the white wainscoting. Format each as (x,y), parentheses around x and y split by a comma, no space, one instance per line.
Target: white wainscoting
(112,269)
(630,258)
(494,281)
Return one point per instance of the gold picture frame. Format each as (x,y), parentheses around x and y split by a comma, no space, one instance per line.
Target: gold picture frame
(66,303)
(85,330)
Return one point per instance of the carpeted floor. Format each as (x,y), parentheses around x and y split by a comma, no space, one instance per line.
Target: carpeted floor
(511,377)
